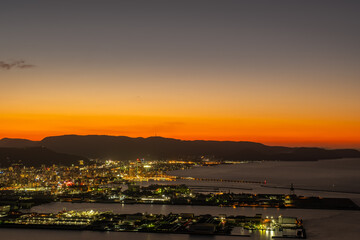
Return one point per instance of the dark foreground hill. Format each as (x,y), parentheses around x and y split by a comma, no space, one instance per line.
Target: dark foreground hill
(123,148)
(36,156)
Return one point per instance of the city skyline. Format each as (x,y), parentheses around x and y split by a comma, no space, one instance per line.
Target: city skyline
(279,72)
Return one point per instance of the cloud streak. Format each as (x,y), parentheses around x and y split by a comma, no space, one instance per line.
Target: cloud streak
(21,64)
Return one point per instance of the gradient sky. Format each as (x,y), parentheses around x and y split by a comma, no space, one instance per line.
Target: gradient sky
(277,72)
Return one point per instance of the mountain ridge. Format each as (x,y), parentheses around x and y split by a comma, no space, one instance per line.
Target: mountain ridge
(126,148)
(36,156)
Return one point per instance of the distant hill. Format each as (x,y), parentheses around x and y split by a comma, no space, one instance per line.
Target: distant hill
(18,143)
(124,148)
(36,156)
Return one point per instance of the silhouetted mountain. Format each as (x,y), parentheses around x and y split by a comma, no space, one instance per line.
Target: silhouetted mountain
(36,156)
(124,148)
(153,147)
(18,143)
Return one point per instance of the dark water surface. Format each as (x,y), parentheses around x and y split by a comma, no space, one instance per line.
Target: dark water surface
(331,176)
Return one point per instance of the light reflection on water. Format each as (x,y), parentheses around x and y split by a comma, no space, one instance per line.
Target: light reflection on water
(166,209)
(34,234)
(320,224)
(330,175)
(306,214)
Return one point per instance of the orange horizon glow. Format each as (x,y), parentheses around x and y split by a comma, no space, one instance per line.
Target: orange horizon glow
(332,144)
(279,74)
(240,112)
(282,132)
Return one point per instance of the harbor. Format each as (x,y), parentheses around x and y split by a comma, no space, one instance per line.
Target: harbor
(180,223)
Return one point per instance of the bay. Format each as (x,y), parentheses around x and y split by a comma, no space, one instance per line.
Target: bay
(326,178)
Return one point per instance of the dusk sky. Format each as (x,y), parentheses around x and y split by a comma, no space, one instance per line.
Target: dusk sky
(276,72)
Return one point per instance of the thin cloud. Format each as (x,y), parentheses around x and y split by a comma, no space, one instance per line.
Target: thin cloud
(15,64)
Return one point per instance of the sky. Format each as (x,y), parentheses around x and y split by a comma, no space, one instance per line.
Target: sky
(276,72)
